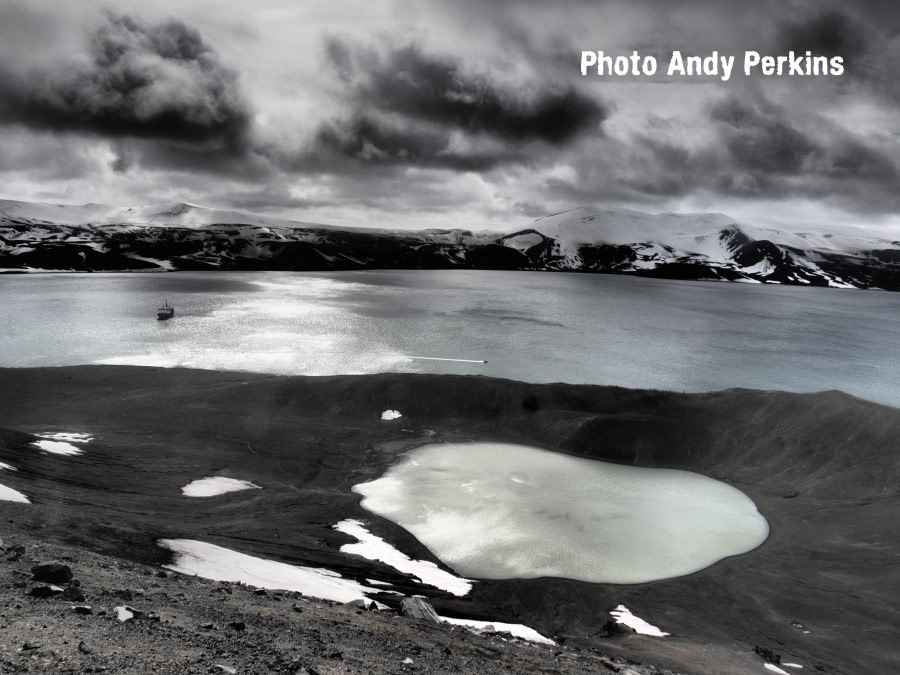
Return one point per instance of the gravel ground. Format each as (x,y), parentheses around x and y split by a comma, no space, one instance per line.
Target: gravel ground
(192,625)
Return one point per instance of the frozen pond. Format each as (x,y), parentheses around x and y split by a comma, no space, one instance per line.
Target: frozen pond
(500,511)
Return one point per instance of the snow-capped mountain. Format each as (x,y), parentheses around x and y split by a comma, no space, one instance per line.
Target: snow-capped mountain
(94,237)
(177,214)
(711,245)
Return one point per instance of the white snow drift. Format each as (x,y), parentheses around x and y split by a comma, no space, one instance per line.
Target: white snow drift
(624,616)
(775,669)
(60,443)
(70,437)
(7,494)
(221,564)
(216,485)
(516,629)
(58,448)
(375,548)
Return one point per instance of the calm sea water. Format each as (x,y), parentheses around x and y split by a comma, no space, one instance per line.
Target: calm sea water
(538,327)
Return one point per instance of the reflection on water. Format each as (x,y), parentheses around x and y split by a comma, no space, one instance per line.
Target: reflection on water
(538,327)
(499,511)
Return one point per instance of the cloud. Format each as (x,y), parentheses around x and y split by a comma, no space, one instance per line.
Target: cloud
(760,139)
(830,33)
(435,89)
(772,154)
(270,198)
(371,140)
(440,111)
(411,107)
(45,159)
(738,146)
(140,80)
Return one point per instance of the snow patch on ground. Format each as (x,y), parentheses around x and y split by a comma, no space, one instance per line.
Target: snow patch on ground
(216,485)
(7,494)
(201,559)
(390,415)
(516,629)
(68,437)
(373,547)
(775,669)
(624,616)
(58,447)
(123,613)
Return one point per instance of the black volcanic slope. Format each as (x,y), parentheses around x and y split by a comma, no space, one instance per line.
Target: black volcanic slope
(821,467)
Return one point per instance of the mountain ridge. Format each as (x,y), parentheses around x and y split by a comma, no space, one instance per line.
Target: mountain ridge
(185,236)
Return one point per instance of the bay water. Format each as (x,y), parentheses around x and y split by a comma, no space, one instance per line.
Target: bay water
(530,326)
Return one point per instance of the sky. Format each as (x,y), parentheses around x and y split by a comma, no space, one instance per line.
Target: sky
(450,113)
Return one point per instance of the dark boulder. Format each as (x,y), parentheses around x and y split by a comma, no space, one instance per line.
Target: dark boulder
(767,654)
(44,591)
(53,572)
(73,593)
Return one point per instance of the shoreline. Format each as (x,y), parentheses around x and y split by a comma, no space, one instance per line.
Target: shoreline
(308,439)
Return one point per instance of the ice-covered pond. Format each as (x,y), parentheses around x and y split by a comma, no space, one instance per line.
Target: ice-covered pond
(501,511)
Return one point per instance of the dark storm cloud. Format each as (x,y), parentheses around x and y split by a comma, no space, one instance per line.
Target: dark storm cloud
(214,158)
(866,35)
(140,80)
(831,33)
(760,139)
(752,149)
(771,154)
(407,104)
(435,89)
(381,142)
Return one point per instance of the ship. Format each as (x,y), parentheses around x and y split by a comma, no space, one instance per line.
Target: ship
(165,312)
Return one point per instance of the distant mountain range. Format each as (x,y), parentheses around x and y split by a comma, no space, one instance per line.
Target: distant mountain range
(94,237)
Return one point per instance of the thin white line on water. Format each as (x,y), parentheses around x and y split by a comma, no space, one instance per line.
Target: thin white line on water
(437,358)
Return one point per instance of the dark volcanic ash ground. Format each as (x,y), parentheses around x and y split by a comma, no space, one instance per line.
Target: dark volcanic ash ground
(823,591)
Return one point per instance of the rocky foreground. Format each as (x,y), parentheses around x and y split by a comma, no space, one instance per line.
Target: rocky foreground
(111,615)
